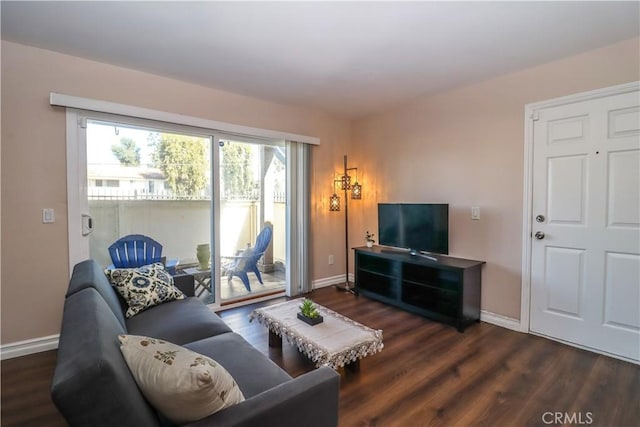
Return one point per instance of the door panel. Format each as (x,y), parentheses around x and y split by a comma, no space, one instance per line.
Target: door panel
(567,190)
(624,189)
(621,295)
(566,130)
(252,196)
(585,260)
(624,122)
(564,277)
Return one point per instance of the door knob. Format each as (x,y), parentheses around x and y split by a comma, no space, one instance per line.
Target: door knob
(539,235)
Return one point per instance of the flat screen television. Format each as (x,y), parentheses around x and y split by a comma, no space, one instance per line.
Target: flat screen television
(421,227)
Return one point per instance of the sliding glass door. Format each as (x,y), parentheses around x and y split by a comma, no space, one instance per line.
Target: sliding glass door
(222,216)
(253,197)
(156,183)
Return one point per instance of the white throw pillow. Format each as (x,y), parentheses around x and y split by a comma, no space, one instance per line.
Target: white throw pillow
(143,287)
(181,384)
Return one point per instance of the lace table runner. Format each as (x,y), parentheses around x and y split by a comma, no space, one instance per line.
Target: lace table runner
(335,342)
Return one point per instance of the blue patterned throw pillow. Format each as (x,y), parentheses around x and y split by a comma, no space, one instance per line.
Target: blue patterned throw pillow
(144,287)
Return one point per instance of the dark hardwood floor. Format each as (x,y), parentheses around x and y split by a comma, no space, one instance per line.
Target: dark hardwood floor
(428,374)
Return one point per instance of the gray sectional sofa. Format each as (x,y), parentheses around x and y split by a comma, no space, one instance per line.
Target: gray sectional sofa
(92,384)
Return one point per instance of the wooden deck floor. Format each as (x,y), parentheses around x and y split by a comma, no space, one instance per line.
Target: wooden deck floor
(427,374)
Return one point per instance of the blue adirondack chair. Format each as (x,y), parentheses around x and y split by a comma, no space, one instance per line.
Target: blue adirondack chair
(136,250)
(247,260)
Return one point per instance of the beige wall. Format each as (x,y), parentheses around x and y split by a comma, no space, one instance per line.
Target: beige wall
(34,255)
(465,147)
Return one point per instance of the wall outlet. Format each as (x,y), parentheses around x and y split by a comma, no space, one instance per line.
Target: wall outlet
(331,260)
(475,212)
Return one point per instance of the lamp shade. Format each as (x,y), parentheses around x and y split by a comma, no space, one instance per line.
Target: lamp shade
(334,203)
(345,182)
(356,191)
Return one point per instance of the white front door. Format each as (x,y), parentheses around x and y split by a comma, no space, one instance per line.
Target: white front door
(585,253)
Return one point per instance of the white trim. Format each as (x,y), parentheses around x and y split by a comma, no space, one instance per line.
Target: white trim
(297,219)
(531,111)
(163,116)
(526,220)
(214,171)
(76,187)
(328,281)
(500,320)
(31,346)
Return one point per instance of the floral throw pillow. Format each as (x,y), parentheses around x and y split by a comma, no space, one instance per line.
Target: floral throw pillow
(183,385)
(144,287)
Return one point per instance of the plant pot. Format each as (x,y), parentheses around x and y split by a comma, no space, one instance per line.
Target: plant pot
(203,253)
(310,320)
(369,244)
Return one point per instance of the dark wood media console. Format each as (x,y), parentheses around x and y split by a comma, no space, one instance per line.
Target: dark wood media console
(446,289)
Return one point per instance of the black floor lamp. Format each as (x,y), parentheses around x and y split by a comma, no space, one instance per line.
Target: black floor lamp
(355,190)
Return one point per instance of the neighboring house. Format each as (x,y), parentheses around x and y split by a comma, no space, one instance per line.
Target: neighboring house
(126,182)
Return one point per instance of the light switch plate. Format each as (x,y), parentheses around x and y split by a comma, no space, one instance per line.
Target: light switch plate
(475,212)
(48,216)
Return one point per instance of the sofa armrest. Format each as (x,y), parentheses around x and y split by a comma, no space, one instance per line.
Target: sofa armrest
(310,400)
(185,283)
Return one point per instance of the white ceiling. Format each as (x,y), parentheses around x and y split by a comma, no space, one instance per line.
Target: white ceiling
(348,58)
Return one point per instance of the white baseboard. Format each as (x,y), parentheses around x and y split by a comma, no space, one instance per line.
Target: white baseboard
(26,347)
(327,281)
(500,320)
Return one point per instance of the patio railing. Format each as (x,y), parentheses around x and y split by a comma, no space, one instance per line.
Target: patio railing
(106,193)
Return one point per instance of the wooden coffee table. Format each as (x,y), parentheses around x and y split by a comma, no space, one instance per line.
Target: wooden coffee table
(336,342)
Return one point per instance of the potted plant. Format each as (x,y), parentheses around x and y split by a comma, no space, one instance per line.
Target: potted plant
(369,238)
(309,313)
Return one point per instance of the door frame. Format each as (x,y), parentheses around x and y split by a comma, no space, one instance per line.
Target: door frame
(531,112)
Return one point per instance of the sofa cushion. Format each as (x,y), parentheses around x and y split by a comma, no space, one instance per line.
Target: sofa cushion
(182,384)
(144,287)
(92,385)
(89,274)
(179,322)
(253,372)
